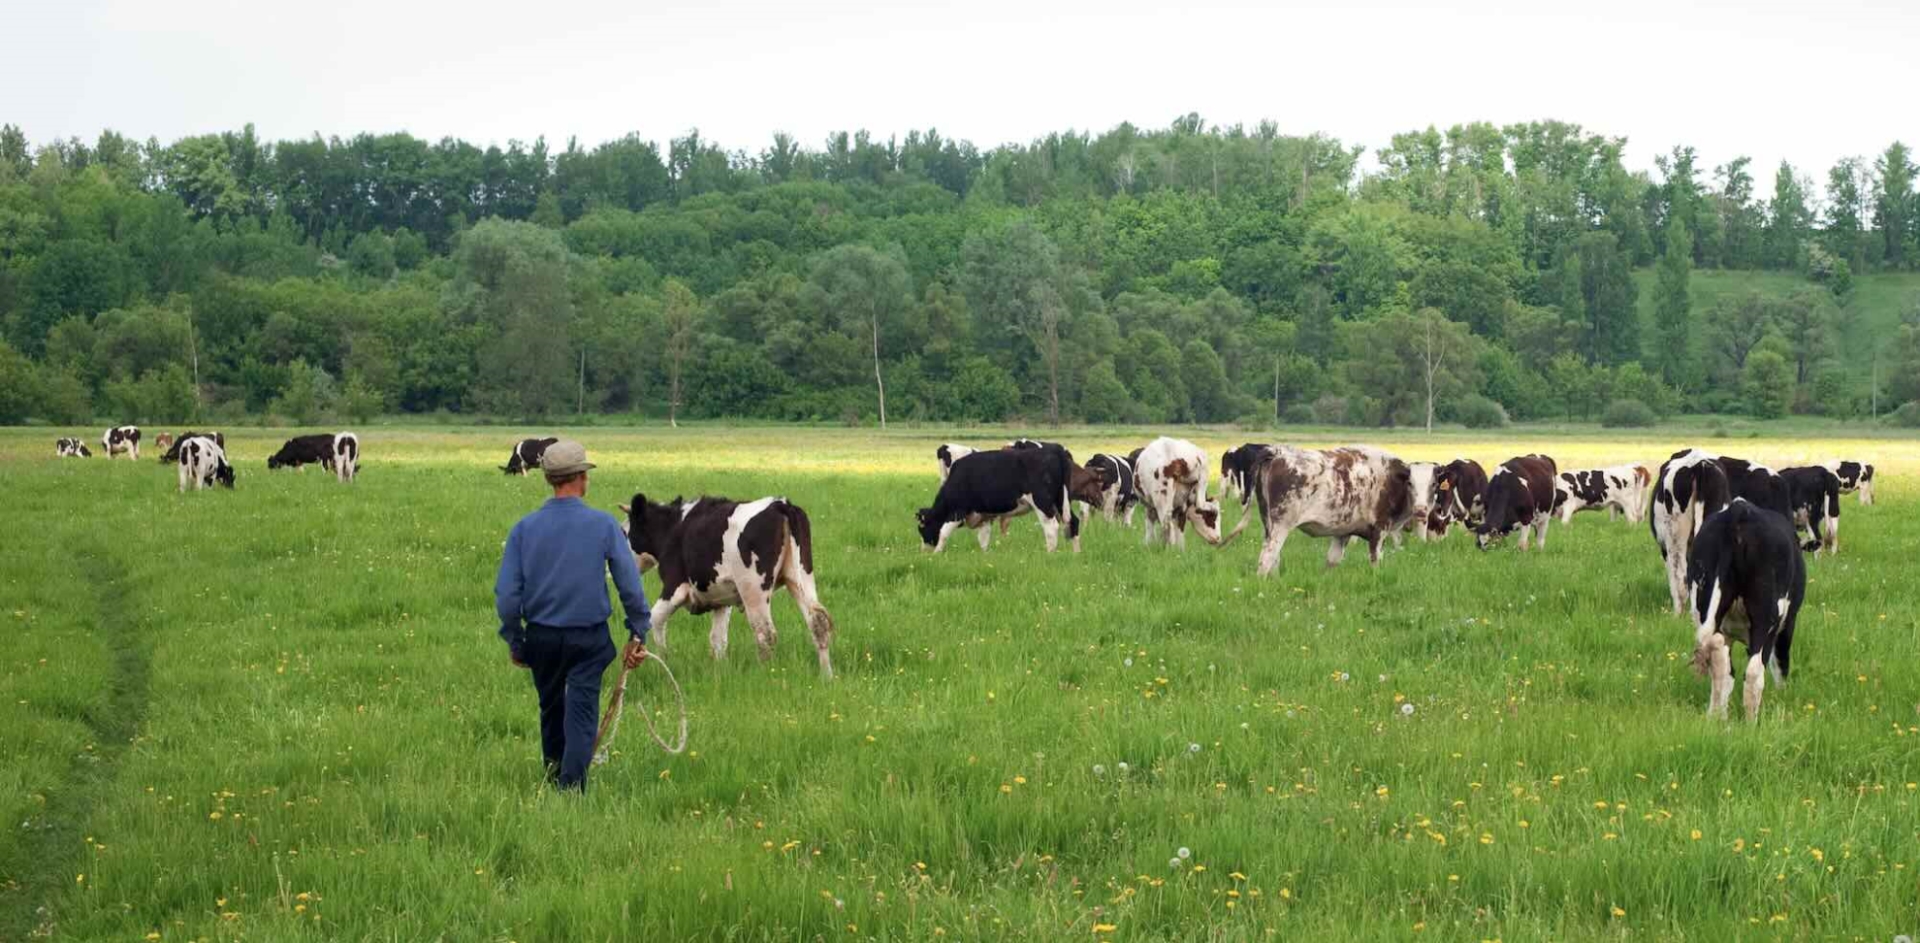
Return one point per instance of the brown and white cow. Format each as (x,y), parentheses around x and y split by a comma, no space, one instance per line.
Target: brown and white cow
(1426,503)
(1343,493)
(1171,478)
(1617,488)
(1519,496)
(714,554)
(1689,486)
(121,439)
(1854,476)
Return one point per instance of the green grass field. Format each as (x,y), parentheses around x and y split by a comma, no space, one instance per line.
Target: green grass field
(281,713)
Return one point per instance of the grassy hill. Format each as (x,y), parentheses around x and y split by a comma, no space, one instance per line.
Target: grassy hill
(1877,304)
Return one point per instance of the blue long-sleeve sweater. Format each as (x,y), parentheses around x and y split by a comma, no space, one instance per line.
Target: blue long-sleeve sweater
(553,572)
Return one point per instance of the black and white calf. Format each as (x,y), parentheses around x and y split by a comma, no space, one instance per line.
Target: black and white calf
(948,454)
(121,439)
(1519,495)
(1171,478)
(1854,476)
(1690,486)
(1815,492)
(1618,488)
(70,447)
(714,554)
(172,454)
(987,486)
(1117,495)
(338,452)
(203,462)
(526,455)
(1745,562)
(1238,467)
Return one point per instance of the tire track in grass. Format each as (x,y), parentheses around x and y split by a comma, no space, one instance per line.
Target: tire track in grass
(43,859)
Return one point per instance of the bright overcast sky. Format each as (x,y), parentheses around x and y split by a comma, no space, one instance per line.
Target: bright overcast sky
(1807,81)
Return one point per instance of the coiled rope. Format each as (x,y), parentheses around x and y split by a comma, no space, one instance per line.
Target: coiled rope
(610,721)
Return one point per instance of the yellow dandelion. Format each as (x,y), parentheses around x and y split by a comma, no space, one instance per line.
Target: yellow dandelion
(1020,780)
(1608,836)
(1525,824)
(1739,845)
(1097,928)
(1818,855)
(1695,834)
(1422,925)
(1486,838)
(1006,788)
(1286,893)
(1617,912)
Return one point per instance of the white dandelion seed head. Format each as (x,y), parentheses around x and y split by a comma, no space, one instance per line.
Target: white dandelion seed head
(1173,864)
(839,904)
(1344,676)
(1099,770)
(1245,726)
(1903,938)
(1193,748)
(1383,679)
(1406,709)
(1289,715)
(1128,662)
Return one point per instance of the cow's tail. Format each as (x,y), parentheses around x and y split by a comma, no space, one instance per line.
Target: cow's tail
(799,580)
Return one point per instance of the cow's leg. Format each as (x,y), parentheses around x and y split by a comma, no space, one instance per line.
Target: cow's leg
(758,606)
(1397,535)
(1005,523)
(663,609)
(819,621)
(1541,526)
(1720,674)
(946,530)
(1270,549)
(183,477)
(1050,528)
(984,534)
(1832,537)
(1374,545)
(717,635)
(1756,682)
(1130,510)
(1336,550)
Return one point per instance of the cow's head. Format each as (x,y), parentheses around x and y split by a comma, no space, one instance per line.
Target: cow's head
(930,525)
(1505,509)
(223,473)
(277,459)
(648,527)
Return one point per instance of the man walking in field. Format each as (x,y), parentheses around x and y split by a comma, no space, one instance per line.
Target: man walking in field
(552,599)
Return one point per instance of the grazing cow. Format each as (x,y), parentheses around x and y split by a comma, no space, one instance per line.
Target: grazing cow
(1520,494)
(1343,493)
(1460,488)
(1621,487)
(71,448)
(1037,444)
(1815,491)
(1761,486)
(715,554)
(122,439)
(1117,497)
(1690,486)
(203,462)
(1745,558)
(948,454)
(164,442)
(1171,478)
(526,455)
(338,452)
(1854,476)
(172,454)
(988,486)
(1237,470)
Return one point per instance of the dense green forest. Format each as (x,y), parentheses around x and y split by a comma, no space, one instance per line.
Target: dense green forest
(1186,273)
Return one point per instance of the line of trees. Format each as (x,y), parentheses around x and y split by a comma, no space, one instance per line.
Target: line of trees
(1190,272)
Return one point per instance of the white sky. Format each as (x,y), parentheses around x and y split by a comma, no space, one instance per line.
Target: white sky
(1807,81)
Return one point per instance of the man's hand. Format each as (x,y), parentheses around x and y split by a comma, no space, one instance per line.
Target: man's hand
(635,653)
(513,655)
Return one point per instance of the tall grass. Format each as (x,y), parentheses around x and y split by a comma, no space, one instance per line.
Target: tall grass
(281,713)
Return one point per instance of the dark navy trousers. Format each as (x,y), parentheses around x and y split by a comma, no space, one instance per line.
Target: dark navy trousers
(567,664)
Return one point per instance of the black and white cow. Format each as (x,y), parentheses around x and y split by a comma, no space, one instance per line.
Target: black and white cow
(948,454)
(71,447)
(1764,487)
(714,554)
(121,439)
(1690,486)
(1117,495)
(1815,493)
(1343,493)
(172,454)
(1171,478)
(526,455)
(1618,488)
(1744,562)
(1854,476)
(987,486)
(1238,466)
(203,462)
(1460,495)
(1519,495)
(1037,444)
(338,452)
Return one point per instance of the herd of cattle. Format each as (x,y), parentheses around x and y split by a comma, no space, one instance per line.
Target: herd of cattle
(1731,532)
(201,457)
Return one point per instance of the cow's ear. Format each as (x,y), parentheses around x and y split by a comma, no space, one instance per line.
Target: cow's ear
(625,509)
